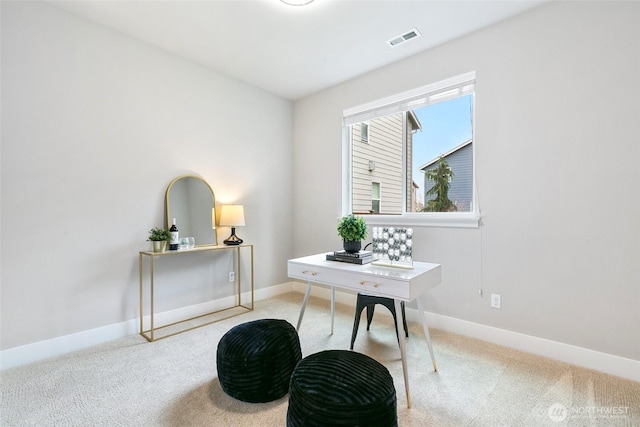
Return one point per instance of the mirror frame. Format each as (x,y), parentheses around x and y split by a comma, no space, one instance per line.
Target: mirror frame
(168,210)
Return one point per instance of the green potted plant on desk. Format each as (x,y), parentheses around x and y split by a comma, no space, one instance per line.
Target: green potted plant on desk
(159,238)
(352,229)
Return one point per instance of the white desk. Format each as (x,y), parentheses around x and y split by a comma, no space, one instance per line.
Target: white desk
(397,283)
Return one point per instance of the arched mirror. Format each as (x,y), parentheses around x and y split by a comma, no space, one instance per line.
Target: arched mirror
(190,200)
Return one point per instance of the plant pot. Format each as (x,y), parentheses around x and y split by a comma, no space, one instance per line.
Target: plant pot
(352,246)
(159,246)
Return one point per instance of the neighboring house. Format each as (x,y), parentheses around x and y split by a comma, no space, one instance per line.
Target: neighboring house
(377,171)
(460,160)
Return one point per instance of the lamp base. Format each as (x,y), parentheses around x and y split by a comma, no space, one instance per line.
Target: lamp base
(233,239)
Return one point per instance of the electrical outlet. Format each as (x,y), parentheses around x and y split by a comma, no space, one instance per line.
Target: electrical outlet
(495,300)
(232,276)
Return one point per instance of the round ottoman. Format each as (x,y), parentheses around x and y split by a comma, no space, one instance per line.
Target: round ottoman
(255,360)
(341,388)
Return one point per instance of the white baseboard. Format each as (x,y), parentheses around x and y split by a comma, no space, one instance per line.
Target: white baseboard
(579,356)
(603,362)
(25,354)
(586,358)
(22,355)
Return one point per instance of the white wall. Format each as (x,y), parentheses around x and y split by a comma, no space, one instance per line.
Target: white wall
(94,127)
(557,125)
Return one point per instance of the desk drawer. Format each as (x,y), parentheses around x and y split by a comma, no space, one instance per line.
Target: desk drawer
(303,272)
(354,280)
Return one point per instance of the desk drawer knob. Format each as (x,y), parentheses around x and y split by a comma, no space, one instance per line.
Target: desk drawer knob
(313,273)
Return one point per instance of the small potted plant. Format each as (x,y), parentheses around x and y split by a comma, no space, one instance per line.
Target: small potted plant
(353,229)
(159,237)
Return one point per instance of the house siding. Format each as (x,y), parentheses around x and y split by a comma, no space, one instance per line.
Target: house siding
(384,149)
(461,188)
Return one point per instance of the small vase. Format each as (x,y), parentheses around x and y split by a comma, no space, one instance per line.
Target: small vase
(352,246)
(159,246)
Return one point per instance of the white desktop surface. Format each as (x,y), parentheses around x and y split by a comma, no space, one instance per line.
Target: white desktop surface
(401,283)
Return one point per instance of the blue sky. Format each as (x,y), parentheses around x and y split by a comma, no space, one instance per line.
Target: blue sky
(444,126)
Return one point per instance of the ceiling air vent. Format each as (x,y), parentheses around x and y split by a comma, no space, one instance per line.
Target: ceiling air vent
(403,38)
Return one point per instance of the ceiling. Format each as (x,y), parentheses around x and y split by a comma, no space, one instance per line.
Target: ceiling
(294,51)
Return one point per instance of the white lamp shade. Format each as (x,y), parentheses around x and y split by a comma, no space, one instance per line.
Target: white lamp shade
(232,216)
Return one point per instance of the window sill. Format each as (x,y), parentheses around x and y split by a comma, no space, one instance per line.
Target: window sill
(452,220)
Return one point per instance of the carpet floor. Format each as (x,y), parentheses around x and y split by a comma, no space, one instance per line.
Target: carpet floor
(173,382)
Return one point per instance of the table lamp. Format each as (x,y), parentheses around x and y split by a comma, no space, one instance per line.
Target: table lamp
(232,216)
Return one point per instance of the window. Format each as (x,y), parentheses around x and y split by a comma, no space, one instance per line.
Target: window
(375,197)
(364,131)
(422,147)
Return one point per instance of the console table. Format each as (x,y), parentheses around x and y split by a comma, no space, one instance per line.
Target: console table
(153,257)
(395,283)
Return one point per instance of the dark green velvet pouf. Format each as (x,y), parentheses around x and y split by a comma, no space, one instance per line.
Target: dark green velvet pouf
(255,360)
(341,388)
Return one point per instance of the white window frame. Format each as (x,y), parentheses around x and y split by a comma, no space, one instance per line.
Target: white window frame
(379,199)
(401,102)
(362,127)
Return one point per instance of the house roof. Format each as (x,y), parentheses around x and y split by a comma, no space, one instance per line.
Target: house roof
(448,153)
(412,116)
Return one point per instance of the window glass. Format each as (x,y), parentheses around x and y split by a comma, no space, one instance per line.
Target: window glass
(443,156)
(418,156)
(375,197)
(364,131)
